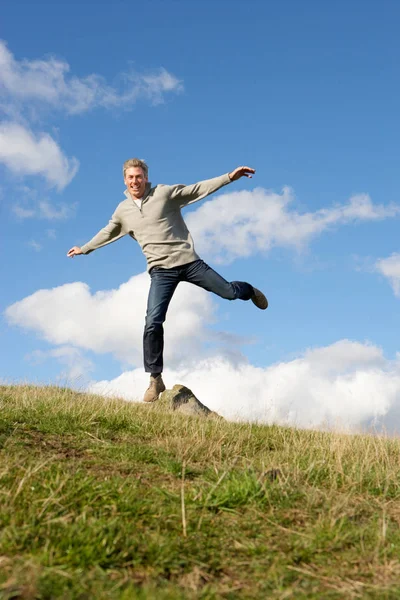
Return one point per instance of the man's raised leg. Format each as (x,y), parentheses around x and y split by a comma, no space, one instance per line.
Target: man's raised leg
(201,274)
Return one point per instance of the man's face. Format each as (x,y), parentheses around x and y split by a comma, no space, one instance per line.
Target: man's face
(135,180)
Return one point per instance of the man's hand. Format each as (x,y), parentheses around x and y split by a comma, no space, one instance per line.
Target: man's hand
(74,252)
(241,172)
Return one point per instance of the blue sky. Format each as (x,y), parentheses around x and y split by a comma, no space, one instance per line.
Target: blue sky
(306,93)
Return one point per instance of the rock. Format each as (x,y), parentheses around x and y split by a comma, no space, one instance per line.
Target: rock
(181,399)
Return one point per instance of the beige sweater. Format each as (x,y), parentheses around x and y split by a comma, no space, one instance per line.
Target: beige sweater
(158,225)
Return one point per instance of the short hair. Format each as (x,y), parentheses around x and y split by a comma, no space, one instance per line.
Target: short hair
(136,162)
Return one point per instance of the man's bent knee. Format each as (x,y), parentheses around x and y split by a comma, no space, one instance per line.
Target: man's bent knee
(230,293)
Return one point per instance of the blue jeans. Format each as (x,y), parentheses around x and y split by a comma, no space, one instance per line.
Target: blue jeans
(163,285)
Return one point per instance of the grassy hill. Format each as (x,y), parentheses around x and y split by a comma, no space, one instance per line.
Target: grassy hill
(107,499)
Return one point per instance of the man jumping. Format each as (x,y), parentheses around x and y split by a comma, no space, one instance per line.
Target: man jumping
(152,216)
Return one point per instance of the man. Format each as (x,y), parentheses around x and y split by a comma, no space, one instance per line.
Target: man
(152,216)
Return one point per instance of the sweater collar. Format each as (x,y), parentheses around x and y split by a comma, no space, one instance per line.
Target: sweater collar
(146,192)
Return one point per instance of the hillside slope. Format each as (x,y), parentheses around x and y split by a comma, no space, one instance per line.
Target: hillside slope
(107,499)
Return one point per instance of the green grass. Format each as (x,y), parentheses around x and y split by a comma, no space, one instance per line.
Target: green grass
(105,499)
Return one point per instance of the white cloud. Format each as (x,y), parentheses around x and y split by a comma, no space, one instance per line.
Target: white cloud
(240,224)
(25,153)
(346,385)
(23,213)
(57,212)
(77,366)
(48,81)
(35,245)
(28,87)
(45,210)
(390,268)
(113,320)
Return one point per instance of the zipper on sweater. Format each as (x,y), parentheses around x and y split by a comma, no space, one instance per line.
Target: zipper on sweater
(143,199)
(139,209)
(141,204)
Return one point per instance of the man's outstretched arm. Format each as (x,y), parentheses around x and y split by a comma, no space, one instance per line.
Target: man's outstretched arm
(110,233)
(186,194)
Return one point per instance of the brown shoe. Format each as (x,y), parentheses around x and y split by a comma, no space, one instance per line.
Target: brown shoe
(259,299)
(154,390)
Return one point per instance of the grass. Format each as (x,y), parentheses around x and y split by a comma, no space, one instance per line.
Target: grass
(111,500)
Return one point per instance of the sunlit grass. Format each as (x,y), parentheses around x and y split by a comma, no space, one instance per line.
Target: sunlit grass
(107,499)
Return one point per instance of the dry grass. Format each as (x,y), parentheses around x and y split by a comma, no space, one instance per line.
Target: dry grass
(106,499)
